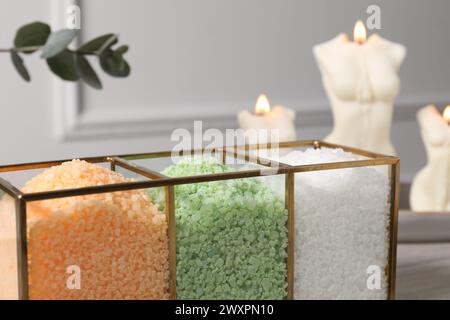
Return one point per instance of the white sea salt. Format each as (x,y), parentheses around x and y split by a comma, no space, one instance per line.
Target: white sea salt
(342,220)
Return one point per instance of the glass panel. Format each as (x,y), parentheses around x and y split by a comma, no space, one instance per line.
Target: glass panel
(21,177)
(231,235)
(289,155)
(342,234)
(160,164)
(342,228)
(8,248)
(98,246)
(101,246)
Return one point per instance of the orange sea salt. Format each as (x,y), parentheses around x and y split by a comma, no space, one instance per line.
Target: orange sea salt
(118,240)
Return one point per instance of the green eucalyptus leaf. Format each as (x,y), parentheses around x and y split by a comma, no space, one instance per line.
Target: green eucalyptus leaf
(86,73)
(114,64)
(57,42)
(20,67)
(64,66)
(122,49)
(99,44)
(32,35)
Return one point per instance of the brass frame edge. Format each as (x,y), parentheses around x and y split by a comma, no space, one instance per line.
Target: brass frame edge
(170,213)
(11,190)
(22,249)
(394,204)
(290,204)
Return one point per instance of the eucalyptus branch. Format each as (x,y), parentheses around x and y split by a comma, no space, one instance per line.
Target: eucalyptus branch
(23,49)
(26,49)
(108,43)
(68,64)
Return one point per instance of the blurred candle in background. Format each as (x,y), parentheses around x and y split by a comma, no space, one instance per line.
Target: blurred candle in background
(361,81)
(446,114)
(264,121)
(430,190)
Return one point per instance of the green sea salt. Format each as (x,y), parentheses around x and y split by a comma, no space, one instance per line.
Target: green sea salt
(231,236)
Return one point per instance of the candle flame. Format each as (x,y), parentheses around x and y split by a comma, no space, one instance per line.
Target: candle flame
(262,105)
(359,32)
(446,114)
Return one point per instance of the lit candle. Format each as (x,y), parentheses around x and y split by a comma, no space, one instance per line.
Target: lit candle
(361,81)
(359,32)
(430,190)
(446,114)
(266,124)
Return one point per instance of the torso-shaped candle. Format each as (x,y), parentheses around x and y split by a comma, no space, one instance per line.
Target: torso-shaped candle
(430,190)
(361,82)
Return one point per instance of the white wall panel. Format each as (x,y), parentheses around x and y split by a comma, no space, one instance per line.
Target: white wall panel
(205,60)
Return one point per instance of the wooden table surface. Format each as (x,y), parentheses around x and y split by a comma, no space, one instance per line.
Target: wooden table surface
(423,256)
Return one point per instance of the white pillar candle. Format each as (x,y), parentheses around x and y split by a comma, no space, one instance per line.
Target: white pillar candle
(361,81)
(430,190)
(265,121)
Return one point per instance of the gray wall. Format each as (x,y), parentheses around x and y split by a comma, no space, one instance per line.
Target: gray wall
(205,60)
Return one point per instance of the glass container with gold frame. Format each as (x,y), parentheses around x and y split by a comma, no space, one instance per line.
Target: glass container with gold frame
(189,225)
